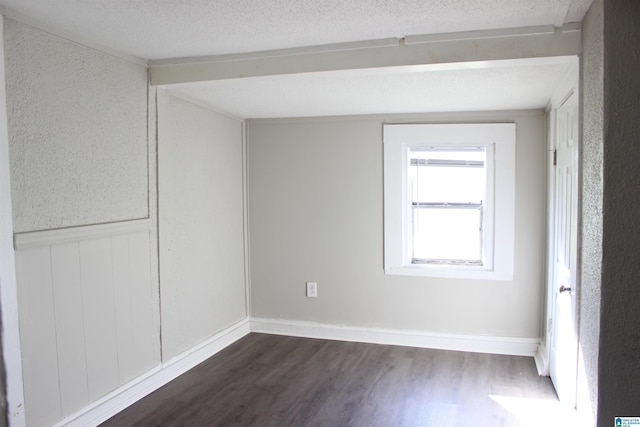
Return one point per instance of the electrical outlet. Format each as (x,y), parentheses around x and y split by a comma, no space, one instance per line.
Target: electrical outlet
(312,289)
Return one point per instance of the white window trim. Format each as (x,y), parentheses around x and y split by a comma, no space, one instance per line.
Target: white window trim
(398,138)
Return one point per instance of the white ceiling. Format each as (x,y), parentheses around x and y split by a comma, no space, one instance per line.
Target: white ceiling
(382,91)
(157,29)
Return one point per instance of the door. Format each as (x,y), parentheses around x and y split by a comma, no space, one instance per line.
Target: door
(564,343)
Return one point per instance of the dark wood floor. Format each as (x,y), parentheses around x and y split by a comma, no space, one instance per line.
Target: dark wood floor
(269,380)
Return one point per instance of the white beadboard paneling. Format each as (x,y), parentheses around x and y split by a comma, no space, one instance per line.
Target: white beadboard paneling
(87,315)
(38,337)
(67,297)
(123,306)
(116,401)
(142,326)
(99,313)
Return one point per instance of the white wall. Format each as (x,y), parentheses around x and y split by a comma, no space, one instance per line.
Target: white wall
(82,152)
(201,222)
(86,315)
(78,149)
(12,363)
(315,214)
(77,132)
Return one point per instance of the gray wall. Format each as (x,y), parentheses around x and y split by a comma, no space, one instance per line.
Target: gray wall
(77,132)
(200,223)
(315,214)
(619,355)
(591,217)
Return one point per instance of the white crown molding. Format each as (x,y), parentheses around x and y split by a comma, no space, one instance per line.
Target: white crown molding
(58,236)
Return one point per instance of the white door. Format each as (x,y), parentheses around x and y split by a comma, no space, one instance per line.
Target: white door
(564,343)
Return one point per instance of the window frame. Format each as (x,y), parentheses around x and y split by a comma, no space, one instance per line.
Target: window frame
(498,252)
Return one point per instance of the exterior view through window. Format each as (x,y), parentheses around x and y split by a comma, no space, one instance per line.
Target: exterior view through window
(448,191)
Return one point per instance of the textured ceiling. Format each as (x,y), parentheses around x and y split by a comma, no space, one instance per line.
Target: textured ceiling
(158,29)
(155,29)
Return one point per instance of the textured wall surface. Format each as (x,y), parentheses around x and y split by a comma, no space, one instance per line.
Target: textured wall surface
(315,214)
(202,286)
(619,357)
(10,368)
(591,218)
(77,133)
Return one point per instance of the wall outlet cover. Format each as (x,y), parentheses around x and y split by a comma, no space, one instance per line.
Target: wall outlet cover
(312,289)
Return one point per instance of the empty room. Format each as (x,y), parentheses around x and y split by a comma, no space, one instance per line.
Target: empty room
(319,213)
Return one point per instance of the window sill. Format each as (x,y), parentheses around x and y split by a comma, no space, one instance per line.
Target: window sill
(452,272)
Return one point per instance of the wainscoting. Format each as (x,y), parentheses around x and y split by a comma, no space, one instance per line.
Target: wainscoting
(86,310)
(89,325)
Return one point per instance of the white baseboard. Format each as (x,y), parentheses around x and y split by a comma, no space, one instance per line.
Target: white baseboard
(123,397)
(456,342)
(542,360)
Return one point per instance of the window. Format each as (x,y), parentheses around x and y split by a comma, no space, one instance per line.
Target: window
(448,205)
(449,200)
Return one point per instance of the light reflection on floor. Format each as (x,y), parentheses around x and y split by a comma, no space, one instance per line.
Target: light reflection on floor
(538,412)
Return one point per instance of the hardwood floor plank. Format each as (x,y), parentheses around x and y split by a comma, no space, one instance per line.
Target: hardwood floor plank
(267,380)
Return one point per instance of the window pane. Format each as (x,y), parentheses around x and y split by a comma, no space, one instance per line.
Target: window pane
(448,184)
(447,234)
(447,174)
(443,177)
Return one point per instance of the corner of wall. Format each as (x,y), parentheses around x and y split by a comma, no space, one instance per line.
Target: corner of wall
(12,387)
(591,162)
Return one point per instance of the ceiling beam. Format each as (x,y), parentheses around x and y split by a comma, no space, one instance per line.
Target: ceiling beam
(442,51)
